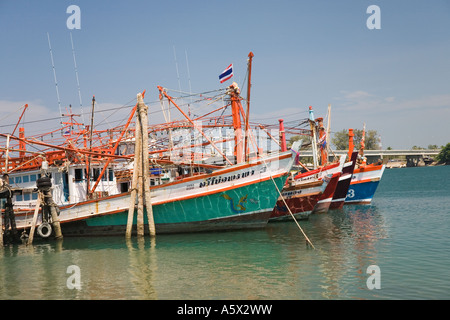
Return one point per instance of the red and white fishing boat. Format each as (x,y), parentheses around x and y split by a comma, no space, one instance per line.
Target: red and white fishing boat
(300,196)
(365,178)
(91,184)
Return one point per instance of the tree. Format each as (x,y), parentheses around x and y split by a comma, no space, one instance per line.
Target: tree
(306,140)
(444,155)
(340,139)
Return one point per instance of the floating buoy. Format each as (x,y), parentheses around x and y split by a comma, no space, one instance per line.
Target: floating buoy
(44,230)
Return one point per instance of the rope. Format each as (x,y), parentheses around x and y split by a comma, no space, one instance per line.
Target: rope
(290,212)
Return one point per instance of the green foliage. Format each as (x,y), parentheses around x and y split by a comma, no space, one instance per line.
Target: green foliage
(340,139)
(444,155)
(306,140)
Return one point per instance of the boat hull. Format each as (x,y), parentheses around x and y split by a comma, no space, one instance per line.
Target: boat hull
(363,185)
(238,197)
(298,200)
(344,183)
(221,211)
(325,199)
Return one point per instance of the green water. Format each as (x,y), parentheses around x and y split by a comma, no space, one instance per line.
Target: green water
(405,232)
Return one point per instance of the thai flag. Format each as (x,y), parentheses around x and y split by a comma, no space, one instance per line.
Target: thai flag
(323,141)
(226,74)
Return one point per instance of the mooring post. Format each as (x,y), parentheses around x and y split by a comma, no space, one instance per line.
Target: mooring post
(48,201)
(140,209)
(135,180)
(142,111)
(1,229)
(35,216)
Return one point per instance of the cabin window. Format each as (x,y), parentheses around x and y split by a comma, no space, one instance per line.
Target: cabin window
(19,197)
(78,175)
(34,196)
(95,173)
(124,187)
(18,179)
(33,177)
(11,180)
(110,174)
(26,196)
(26,179)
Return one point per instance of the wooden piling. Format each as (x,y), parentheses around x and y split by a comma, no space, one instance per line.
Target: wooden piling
(140,208)
(143,115)
(1,229)
(50,205)
(141,173)
(135,180)
(35,216)
(55,223)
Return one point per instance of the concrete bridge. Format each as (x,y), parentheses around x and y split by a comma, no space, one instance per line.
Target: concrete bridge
(414,158)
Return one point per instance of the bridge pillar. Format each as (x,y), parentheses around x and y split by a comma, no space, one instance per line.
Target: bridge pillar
(415,161)
(374,159)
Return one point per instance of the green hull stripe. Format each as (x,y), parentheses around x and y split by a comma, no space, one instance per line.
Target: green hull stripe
(258,197)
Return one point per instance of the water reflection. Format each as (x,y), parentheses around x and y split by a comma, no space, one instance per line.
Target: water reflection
(143,266)
(271,263)
(349,242)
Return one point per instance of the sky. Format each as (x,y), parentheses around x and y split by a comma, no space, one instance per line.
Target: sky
(395,79)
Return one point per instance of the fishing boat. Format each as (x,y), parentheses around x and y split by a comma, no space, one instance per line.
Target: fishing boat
(300,196)
(235,196)
(343,185)
(365,178)
(326,198)
(300,193)
(364,183)
(340,171)
(92,186)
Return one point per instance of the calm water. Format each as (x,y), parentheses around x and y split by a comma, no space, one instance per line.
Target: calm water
(405,232)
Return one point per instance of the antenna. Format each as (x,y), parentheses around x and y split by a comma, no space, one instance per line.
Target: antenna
(56,82)
(76,73)
(176,65)
(189,79)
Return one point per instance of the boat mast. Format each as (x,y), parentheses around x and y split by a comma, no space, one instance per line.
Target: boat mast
(312,124)
(322,140)
(363,140)
(7,155)
(350,143)
(234,92)
(362,145)
(327,139)
(88,167)
(282,136)
(250,57)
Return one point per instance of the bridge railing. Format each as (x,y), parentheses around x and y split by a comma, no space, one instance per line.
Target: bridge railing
(422,153)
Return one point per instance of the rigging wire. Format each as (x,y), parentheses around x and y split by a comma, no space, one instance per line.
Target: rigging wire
(54,75)
(76,73)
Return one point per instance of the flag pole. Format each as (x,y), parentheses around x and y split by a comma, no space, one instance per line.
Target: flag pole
(250,57)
